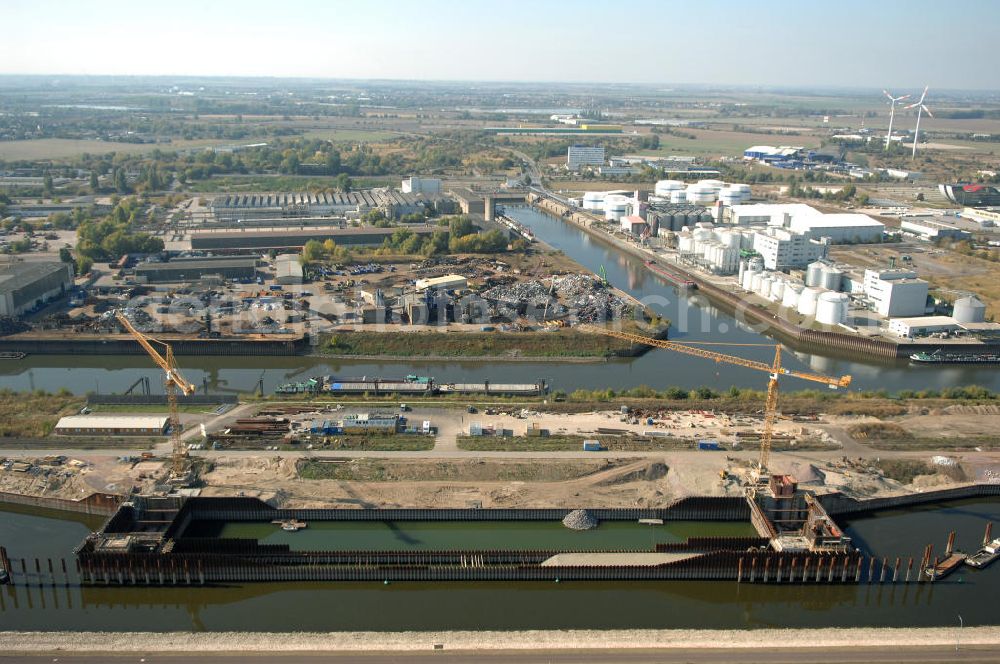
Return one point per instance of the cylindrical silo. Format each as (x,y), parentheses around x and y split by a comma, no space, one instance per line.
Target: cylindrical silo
(830,278)
(743,268)
(678,196)
(616,206)
(807,301)
(969,310)
(667,187)
(755,281)
(814,273)
(777,290)
(593,200)
(790,298)
(831,308)
(746,282)
(765,285)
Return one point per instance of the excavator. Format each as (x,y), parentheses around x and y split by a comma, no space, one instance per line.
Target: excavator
(174,381)
(758,471)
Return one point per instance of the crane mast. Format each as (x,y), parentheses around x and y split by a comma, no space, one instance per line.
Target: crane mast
(173,381)
(774,370)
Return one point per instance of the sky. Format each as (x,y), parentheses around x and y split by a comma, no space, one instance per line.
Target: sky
(840,43)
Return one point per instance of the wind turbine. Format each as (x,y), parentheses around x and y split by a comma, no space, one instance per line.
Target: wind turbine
(919,105)
(892,113)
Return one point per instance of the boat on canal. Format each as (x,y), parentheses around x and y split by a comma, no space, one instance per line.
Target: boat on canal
(670,276)
(985,556)
(938,357)
(943,568)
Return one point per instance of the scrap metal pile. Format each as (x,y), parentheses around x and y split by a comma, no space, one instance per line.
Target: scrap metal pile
(581,297)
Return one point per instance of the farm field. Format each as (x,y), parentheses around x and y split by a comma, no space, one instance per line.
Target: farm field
(60,148)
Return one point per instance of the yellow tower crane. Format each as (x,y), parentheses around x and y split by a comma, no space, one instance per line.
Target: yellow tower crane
(173,381)
(775,370)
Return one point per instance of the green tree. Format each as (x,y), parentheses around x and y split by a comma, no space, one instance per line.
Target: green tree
(47,183)
(343,182)
(94,183)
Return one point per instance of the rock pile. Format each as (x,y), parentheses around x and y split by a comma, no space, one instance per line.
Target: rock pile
(580,520)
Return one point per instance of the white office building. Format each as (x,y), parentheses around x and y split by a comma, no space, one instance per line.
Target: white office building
(415,185)
(851,227)
(782,249)
(896,293)
(583,155)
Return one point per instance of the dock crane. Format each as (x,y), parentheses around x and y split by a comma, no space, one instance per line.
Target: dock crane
(173,381)
(775,370)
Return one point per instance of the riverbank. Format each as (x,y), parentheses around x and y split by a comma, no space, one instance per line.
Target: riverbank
(559,345)
(731,641)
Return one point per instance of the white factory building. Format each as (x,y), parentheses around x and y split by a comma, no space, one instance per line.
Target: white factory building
(807,220)
(583,155)
(765,214)
(896,293)
(932,228)
(840,228)
(415,185)
(782,249)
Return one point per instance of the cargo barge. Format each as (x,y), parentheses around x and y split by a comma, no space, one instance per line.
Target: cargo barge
(410,385)
(938,357)
(670,276)
(986,556)
(943,568)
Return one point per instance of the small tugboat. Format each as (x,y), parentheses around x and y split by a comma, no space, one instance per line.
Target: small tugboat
(986,555)
(291,525)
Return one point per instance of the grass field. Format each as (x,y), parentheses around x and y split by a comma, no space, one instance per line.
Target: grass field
(728,143)
(561,343)
(352,135)
(493,470)
(30,415)
(58,148)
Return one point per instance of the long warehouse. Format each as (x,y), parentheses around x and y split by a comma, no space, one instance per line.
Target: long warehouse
(296,239)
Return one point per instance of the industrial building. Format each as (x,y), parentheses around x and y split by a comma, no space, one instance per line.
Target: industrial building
(769,214)
(665,217)
(783,249)
(415,185)
(839,228)
(583,155)
(368,423)
(922,326)
(973,195)
(28,284)
(192,269)
(288,270)
(393,203)
(112,425)
(447,282)
(932,227)
(294,240)
(896,293)
(633,225)
(769,154)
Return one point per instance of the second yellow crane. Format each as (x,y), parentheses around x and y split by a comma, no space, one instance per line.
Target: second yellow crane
(775,370)
(173,381)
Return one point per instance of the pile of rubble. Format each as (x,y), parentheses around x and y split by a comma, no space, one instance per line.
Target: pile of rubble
(580,520)
(583,297)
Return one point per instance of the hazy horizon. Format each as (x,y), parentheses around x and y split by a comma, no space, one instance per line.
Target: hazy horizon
(777,44)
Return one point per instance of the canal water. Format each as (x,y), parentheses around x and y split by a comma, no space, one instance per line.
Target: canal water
(693,320)
(466,535)
(524,605)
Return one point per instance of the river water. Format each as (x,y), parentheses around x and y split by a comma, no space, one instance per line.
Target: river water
(528,605)
(694,320)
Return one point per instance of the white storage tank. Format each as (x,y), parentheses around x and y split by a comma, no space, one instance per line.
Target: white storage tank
(746,282)
(743,269)
(678,196)
(969,310)
(714,184)
(777,290)
(790,298)
(807,301)
(757,263)
(830,278)
(666,187)
(831,308)
(685,243)
(755,281)
(616,206)
(814,273)
(593,200)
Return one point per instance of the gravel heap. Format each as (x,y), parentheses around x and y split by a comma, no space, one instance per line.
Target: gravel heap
(580,520)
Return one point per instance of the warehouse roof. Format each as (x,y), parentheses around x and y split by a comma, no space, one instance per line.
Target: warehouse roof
(837,220)
(316,232)
(112,422)
(198,264)
(14,276)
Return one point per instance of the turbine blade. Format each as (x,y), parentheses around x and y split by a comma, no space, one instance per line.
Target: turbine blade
(886,93)
(927,110)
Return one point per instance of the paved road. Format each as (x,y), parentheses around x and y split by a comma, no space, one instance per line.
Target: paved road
(855,655)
